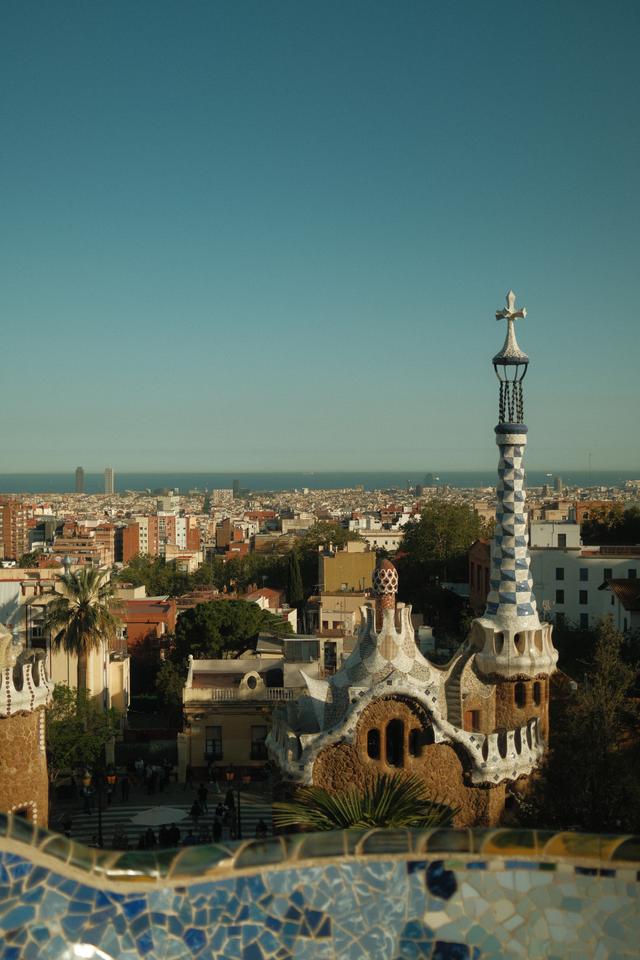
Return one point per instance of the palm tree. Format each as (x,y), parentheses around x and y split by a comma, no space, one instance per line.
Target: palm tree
(391,801)
(81,617)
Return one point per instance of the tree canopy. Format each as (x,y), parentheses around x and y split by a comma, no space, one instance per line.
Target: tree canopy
(77,731)
(295,588)
(588,777)
(441,538)
(613,525)
(160,577)
(223,628)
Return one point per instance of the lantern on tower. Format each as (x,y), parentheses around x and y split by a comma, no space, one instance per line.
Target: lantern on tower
(511,365)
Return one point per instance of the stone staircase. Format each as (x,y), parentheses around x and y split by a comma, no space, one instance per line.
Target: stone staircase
(454,693)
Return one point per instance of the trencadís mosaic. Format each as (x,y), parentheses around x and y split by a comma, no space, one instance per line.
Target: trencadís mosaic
(440,894)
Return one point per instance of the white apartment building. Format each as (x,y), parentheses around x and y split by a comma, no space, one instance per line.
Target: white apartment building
(383,539)
(567,576)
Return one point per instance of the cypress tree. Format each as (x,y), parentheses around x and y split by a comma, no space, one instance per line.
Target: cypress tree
(295,590)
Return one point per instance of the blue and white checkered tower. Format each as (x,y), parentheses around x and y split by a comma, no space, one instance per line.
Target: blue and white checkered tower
(514,641)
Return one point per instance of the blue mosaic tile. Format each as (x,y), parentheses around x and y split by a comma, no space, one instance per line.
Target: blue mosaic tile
(440,881)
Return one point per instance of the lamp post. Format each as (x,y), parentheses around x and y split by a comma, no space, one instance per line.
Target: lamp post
(97,779)
(246,780)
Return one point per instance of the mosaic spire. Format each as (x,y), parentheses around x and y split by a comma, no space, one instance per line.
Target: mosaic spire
(511,595)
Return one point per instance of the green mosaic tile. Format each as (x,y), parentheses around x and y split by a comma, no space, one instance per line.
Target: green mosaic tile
(628,849)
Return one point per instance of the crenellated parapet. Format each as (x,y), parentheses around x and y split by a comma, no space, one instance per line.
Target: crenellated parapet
(513,650)
(24,688)
(491,759)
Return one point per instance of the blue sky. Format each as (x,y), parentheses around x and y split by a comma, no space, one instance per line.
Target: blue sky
(273,235)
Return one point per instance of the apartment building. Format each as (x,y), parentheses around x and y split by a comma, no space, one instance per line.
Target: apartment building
(567,576)
(15,527)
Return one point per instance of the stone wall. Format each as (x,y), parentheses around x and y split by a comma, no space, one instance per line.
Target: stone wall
(342,765)
(510,715)
(23,766)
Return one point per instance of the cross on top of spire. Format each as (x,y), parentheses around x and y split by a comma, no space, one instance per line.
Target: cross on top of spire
(511,352)
(511,313)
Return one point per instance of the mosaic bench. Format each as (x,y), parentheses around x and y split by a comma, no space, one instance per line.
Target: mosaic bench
(387,894)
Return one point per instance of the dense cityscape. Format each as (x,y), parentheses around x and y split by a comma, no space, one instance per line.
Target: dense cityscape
(319,542)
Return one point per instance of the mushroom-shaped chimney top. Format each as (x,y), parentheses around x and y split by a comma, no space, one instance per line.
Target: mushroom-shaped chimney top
(385,579)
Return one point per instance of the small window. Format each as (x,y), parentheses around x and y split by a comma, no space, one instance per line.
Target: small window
(632,574)
(608,573)
(213,743)
(520,695)
(537,693)
(562,541)
(584,574)
(258,745)
(472,721)
(373,744)
(559,573)
(559,596)
(395,743)
(584,621)
(415,742)
(584,596)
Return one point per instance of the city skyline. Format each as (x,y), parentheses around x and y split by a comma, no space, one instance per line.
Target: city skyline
(275,237)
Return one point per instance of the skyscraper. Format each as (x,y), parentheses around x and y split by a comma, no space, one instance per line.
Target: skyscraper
(79,480)
(109,480)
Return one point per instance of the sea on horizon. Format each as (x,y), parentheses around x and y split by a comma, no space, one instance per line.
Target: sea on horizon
(43,483)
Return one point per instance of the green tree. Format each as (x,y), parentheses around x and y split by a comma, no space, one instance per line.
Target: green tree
(169,684)
(28,561)
(588,777)
(81,617)
(295,589)
(613,524)
(392,801)
(77,732)
(440,539)
(322,533)
(223,628)
(157,576)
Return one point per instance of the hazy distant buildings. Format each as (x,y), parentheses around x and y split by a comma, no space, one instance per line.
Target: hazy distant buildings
(79,480)
(236,489)
(558,485)
(221,497)
(109,480)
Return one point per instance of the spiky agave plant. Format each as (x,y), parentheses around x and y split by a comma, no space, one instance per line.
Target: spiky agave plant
(391,801)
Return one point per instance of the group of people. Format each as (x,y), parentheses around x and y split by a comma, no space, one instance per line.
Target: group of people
(155,776)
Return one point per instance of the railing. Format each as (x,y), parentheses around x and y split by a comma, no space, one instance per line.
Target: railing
(218,694)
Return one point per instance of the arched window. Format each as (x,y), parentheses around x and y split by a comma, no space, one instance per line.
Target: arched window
(415,742)
(498,643)
(395,743)
(519,641)
(373,744)
(520,695)
(537,693)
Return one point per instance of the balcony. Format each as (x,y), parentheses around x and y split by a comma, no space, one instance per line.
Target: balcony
(221,694)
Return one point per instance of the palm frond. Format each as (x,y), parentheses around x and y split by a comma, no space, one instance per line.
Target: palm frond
(391,801)
(82,616)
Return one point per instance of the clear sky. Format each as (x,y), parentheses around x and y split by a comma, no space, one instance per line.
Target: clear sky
(273,235)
